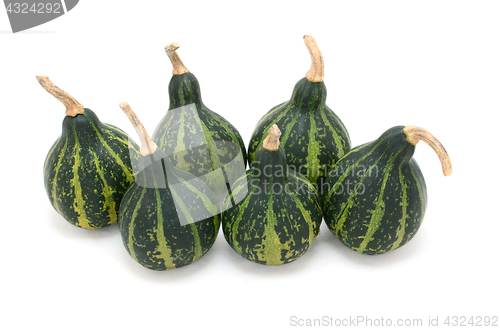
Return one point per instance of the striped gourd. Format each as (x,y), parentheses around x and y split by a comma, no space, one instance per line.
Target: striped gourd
(279,214)
(168,218)
(88,168)
(314,137)
(199,139)
(377,194)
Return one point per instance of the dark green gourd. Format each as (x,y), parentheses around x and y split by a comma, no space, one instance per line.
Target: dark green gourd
(279,214)
(377,194)
(88,168)
(168,218)
(314,137)
(199,139)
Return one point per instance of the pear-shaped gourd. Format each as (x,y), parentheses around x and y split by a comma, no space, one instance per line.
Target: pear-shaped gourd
(377,194)
(199,139)
(168,218)
(314,137)
(279,214)
(88,168)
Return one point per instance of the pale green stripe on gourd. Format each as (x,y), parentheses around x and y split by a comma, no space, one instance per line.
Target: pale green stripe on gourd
(198,253)
(271,242)
(107,192)
(339,140)
(404,205)
(209,139)
(162,248)
(79,203)
(378,213)
(131,226)
(307,217)
(313,151)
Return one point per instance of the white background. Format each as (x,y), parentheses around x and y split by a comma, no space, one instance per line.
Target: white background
(434,64)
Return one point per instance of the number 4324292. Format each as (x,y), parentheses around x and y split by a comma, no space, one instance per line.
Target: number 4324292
(35,8)
(477,321)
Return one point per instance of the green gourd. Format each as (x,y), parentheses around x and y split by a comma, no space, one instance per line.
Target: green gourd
(199,140)
(168,217)
(314,137)
(88,168)
(377,195)
(278,215)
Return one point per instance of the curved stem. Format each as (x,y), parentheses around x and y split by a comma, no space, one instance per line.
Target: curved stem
(415,134)
(317,71)
(73,107)
(272,140)
(179,67)
(148,147)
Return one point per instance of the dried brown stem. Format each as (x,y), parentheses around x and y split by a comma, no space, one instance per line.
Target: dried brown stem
(179,67)
(317,71)
(415,134)
(73,107)
(148,147)
(272,141)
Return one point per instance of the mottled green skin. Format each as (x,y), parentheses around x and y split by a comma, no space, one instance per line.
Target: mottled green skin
(377,195)
(280,216)
(314,138)
(150,222)
(87,171)
(177,133)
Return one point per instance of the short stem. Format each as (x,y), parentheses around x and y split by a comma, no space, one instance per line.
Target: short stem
(317,71)
(272,141)
(179,67)
(415,134)
(73,107)
(148,147)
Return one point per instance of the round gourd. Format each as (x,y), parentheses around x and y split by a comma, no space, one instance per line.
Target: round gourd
(279,214)
(88,168)
(377,195)
(168,218)
(314,137)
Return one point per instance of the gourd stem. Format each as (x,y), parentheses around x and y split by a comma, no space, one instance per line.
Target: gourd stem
(272,142)
(148,147)
(317,71)
(179,67)
(73,107)
(415,134)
